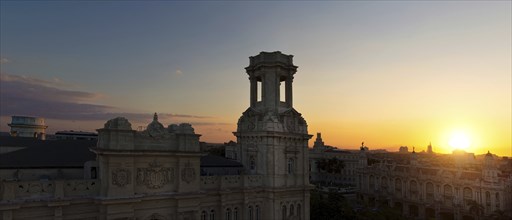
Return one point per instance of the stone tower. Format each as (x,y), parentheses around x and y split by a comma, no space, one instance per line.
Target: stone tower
(273,139)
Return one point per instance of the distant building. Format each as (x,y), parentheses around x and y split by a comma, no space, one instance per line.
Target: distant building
(403,149)
(429,149)
(75,135)
(352,160)
(436,186)
(24,126)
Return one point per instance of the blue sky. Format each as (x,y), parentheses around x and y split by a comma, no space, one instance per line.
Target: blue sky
(186,58)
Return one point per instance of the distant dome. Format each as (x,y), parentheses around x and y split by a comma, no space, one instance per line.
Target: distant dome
(155,124)
(119,123)
(155,128)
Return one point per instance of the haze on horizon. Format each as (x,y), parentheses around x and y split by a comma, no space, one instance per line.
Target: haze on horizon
(386,73)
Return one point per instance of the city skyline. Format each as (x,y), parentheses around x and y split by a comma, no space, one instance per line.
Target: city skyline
(386,73)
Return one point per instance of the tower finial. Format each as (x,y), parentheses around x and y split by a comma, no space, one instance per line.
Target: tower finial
(155,117)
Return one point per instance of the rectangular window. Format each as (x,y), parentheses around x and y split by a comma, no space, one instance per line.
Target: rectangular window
(259,91)
(282,91)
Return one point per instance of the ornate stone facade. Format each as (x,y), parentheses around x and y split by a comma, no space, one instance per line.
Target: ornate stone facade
(273,140)
(155,174)
(430,186)
(353,160)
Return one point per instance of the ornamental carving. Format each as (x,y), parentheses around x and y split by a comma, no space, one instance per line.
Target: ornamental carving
(36,187)
(155,129)
(290,123)
(188,174)
(248,120)
(121,177)
(155,176)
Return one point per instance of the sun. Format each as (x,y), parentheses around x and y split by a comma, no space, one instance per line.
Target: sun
(459,141)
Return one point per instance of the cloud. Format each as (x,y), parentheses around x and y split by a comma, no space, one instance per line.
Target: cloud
(21,95)
(4,60)
(179,72)
(55,82)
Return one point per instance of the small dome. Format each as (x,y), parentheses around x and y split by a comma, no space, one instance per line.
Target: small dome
(155,128)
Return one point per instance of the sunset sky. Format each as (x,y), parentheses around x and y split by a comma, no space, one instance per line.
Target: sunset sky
(387,73)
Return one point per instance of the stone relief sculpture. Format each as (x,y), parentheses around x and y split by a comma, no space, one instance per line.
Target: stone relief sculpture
(121,177)
(155,176)
(188,174)
(247,121)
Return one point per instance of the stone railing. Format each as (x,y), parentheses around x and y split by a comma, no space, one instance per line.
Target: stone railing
(230,182)
(47,189)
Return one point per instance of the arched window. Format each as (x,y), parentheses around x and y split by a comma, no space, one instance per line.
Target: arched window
(203,215)
(257,212)
(398,187)
(413,189)
(250,213)
(212,214)
(292,210)
(430,191)
(384,183)
(284,212)
(467,193)
(228,214)
(290,165)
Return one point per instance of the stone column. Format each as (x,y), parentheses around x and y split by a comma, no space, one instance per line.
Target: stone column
(253,91)
(289,93)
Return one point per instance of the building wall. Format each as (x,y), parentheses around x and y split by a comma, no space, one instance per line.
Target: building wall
(155,173)
(440,190)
